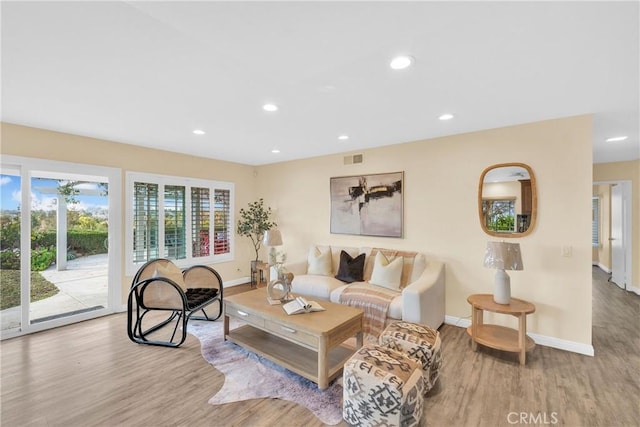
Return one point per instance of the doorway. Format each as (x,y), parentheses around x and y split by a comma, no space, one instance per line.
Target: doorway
(59,222)
(613,252)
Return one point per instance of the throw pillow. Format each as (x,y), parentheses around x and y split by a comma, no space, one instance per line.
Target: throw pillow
(171,271)
(350,269)
(319,262)
(387,274)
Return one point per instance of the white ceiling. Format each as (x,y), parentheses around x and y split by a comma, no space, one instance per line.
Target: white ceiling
(148,73)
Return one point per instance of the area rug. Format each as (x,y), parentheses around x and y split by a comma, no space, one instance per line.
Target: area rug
(249,376)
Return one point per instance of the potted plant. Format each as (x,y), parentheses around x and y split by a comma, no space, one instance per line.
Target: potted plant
(253,223)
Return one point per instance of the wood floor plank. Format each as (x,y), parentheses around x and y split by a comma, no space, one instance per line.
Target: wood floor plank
(90,374)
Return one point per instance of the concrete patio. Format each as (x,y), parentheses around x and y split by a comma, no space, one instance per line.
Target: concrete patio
(83,286)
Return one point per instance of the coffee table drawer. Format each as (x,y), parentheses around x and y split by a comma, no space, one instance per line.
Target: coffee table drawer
(245,316)
(291,334)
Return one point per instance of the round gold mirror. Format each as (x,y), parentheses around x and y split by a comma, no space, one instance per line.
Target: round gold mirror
(507,200)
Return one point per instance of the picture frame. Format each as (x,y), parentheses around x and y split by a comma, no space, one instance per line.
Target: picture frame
(368,204)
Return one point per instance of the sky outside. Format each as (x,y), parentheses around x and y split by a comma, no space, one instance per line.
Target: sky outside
(10,195)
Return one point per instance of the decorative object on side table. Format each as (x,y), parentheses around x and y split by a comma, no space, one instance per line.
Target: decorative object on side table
(273,238)
(502,256)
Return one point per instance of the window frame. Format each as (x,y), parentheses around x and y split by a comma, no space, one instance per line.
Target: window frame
(595,222)
(188,183)
(512,202)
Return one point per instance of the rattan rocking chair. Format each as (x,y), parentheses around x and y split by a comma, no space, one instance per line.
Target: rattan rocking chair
(163,295)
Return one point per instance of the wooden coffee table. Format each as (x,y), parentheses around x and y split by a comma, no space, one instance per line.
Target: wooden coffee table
(309,344)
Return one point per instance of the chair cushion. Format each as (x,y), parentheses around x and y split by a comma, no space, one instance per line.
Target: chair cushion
(199,296)
(350,269)
(314,285)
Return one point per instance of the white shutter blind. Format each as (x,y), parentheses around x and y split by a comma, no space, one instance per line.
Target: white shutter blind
(222,224)
(200,213)
(145,222)
(595,221)
(174,222)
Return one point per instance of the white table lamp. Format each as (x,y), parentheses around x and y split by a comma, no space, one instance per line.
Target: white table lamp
(272,238)
(502,256)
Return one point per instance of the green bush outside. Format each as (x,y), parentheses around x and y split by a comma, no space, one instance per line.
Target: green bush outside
(41,259)
(84,242)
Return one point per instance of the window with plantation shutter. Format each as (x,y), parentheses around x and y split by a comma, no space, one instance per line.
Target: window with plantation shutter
(172,217)
(200,220)
(222,224)
(595,221)
(145,222)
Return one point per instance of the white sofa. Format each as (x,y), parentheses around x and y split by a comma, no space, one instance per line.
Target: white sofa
(422,300)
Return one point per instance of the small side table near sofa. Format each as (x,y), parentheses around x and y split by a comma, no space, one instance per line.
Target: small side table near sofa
(500,337)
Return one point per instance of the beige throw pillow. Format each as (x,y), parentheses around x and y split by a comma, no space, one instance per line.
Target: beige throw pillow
(319,261)
(385,273)
(171,271)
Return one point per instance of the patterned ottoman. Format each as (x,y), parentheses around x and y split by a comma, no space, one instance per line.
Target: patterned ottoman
(419,342)
(382,387)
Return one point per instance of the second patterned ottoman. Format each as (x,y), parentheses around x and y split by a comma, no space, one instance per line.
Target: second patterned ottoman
(419,342)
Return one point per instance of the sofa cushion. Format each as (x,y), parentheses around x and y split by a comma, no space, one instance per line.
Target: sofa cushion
(395,308)
(319,260)
(387,273)
(350,269)
(315,285)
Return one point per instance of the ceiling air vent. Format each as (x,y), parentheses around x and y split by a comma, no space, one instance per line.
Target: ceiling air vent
(356,158)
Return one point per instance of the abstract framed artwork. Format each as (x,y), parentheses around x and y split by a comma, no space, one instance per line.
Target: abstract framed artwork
(367,205)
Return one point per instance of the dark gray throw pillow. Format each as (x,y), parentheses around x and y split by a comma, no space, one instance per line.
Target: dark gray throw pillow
(350,269)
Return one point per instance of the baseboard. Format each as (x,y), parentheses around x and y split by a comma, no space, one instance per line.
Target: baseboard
(560,344)
(602,267)
(634,289)
(236,282)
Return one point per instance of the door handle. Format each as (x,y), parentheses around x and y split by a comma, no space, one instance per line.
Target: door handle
(242,313)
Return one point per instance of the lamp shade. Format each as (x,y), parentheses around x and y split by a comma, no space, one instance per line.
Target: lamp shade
(503,256)
(272,238)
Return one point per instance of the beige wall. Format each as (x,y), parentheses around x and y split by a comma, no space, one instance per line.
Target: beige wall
(441,219)
(602,254)
(440,206)
(38,143)
(626,171)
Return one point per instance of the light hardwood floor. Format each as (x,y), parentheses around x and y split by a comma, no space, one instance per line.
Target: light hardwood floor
(91,374)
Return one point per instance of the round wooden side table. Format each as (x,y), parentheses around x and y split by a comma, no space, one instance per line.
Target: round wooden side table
(500,337)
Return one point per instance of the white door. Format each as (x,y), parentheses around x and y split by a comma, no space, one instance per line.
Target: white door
(58,262)
(618,267)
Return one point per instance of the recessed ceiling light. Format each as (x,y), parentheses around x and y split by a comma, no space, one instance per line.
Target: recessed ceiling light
(446,116)
(275,151)
(270,107)
(343,137)
(616,139)
(199,132)
(401,62)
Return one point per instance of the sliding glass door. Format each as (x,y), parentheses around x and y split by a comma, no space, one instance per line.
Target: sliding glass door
(58,224)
